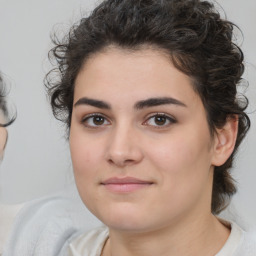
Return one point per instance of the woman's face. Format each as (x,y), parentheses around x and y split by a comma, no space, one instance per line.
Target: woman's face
(140,143)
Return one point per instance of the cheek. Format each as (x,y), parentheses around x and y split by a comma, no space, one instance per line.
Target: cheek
(183,167)
(183,160)
(179,152)
(85,153)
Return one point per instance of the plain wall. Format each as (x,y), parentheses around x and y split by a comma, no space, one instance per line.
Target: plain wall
(37,160)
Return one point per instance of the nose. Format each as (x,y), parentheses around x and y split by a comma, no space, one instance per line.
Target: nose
(124,147)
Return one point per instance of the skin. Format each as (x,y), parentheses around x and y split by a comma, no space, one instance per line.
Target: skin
(168,145)
(3,135)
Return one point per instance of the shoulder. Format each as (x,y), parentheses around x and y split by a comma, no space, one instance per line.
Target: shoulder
(89,243)
(243,241)
(44,225)
(7,216)
(248,244)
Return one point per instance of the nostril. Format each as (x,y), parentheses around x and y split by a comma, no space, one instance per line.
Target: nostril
(128,161)
(120,162)
(110,161)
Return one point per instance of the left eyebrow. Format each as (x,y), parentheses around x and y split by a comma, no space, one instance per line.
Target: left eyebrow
(152,102)
(93,102)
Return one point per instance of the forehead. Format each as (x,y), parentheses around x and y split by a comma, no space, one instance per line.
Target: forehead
(136,74)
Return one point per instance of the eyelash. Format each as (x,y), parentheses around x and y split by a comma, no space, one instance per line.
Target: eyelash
(85,120)
(168,118)
(89,117)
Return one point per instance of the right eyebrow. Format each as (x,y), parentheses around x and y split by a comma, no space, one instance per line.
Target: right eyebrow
(157,102)
(92,102)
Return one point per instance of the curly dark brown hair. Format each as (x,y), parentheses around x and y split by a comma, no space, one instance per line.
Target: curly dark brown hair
(3,105)
(199,43)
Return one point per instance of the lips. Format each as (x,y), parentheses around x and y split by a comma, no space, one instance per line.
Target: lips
(125,185)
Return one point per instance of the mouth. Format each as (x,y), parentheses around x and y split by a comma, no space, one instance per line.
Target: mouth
(125,185)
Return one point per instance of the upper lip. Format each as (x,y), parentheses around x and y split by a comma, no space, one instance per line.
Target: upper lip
(125,180)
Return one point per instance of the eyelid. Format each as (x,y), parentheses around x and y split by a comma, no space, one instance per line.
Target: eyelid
(170,118)
(86,117)
(91,115)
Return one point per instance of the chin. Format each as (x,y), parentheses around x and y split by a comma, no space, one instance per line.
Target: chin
(127,226)
(125,220)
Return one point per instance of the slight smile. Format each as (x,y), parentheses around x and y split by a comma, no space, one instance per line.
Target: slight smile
(125,185)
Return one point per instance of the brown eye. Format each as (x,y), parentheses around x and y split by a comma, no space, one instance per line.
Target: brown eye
(95,120)
(98,120)
(159,120)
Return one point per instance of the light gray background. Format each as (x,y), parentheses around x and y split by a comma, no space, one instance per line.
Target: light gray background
(37,160)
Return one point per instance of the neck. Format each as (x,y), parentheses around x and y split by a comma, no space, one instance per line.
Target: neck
(203,236)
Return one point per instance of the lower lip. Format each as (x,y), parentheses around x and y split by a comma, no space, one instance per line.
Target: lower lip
(126,188)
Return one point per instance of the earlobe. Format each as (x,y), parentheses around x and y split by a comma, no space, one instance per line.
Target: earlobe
(225,140)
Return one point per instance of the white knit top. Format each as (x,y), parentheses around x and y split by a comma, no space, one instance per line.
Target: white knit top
(239,243)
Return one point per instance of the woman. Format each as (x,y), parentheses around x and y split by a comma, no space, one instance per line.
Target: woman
(148,91)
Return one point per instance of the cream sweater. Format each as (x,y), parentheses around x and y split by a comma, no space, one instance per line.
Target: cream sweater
(58,226)
(239,243)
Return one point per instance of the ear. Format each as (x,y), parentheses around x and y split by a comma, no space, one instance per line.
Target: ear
(225,140)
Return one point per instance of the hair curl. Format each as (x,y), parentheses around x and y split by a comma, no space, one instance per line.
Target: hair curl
(196,38)
(3,105)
